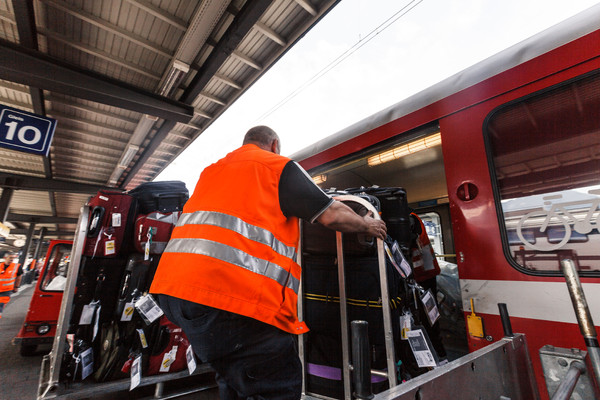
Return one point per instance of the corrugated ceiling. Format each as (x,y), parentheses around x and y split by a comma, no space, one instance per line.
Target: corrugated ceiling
(131,84)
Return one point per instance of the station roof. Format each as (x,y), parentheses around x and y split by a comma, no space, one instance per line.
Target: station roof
(131,83)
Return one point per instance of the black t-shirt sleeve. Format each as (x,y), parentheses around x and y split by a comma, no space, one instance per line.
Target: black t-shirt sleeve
(299,196)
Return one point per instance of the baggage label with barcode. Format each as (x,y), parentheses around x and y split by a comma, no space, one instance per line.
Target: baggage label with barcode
(168,359)
(191,361)
(116,219)
(136,372)
(148,308)
(405,325)
(142,336)
(87,363)
(420,348)
(433,314)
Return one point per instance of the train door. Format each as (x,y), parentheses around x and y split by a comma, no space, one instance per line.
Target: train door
(413,160)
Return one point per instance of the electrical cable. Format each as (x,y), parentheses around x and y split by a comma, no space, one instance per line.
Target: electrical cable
(386,24)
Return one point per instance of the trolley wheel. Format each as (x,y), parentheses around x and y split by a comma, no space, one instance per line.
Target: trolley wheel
(28,349)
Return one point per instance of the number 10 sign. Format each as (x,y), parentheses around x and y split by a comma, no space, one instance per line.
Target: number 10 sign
(25,131)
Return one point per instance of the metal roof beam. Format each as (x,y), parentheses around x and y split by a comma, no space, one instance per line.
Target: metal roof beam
(108,27)
(160,14)
(33,68)
(24,182)
(21,231)
(40,219)
(241,25)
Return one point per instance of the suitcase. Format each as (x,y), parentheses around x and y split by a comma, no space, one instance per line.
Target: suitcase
(394,211)
(319,240)
(135,281)
(170,339)
(327,344)
(154,230)
(110,224)
(322,315)
(165,196)
(99,280)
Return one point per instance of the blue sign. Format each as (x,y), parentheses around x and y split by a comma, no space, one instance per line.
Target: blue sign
(25,131)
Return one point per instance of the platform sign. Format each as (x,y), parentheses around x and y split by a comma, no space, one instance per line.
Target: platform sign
(25,131)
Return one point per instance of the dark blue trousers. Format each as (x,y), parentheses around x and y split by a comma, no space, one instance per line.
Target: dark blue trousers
(253,360)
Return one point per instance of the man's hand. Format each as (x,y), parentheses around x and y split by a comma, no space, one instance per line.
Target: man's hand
(340,217)
(375,227)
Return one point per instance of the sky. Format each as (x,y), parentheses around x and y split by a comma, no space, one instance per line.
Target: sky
(362,57)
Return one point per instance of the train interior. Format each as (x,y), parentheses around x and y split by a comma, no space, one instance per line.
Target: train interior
(415,163)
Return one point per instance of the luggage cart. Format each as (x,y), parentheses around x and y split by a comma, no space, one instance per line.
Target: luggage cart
(50,386)
(347,367)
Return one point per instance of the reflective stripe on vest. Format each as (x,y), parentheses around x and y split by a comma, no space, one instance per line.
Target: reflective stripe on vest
(235,224)
(232,255)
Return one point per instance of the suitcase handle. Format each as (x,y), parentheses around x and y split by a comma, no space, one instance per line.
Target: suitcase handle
(96,218)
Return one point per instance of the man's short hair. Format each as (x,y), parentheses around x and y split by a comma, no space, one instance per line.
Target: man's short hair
(261,134)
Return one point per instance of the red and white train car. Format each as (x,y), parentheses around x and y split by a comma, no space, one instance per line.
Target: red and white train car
(505,156)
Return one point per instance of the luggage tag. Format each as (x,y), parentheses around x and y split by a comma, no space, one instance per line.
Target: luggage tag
(405,324)
(142,336)
(109,245)
(116,219)
(431,309)
(191,360)
(397,259)
(127,314)
(148,309)
(168,359)
(151,232)
(87,363)
(421,348)
(136,372)
(87,314)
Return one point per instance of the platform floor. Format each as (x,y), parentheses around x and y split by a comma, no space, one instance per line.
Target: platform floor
(19,375)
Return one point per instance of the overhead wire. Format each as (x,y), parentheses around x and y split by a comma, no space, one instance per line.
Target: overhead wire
(382,27)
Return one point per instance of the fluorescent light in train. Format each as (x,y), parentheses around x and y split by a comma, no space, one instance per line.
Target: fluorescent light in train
(406,149)
(319,179)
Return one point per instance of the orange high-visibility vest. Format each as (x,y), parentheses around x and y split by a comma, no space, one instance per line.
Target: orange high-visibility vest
(8,275)
(232,248)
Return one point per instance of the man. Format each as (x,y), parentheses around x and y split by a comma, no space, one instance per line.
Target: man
(8,276)
(228,276)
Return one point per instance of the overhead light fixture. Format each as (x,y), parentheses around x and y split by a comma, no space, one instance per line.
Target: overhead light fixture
(128,156)
(406,149)
(171,80)
(319,179)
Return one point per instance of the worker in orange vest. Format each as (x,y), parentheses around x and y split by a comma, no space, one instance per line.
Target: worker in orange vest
(228,276)
(8,276)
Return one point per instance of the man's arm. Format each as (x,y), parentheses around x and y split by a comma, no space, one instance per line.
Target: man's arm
(340,217)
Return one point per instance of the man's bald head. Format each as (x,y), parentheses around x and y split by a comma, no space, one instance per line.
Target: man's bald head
(264,137)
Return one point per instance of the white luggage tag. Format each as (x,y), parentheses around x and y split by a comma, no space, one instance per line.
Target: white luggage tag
(127,314)
(419,345)
(151,232)
(148,309)
(405,324)
(191,360)
(433,314)
(168,359)
(397,259)
(142,336)
(87,363)
(136,372)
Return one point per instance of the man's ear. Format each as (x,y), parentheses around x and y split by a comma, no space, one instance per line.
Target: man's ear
(275,146)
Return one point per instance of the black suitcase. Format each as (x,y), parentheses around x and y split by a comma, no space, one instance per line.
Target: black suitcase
(318,240)
(136,280)
(165,196)
(322,315)
(99,280)
(394,211)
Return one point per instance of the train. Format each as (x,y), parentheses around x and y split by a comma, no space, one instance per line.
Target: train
(502,162)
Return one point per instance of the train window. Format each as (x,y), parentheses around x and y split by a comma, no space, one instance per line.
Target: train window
(545,157)
(55,275)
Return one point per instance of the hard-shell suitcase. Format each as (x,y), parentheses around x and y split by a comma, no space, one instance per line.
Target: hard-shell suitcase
(328,307)
(168,349)
(319,240)
(110,224)
(394,211)
(165,196)
(153,231)
(135,281)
